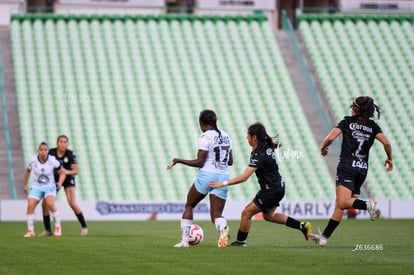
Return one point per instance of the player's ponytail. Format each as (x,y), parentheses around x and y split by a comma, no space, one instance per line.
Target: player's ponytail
(364,107)
(257,129)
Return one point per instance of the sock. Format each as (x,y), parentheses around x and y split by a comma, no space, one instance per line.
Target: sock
(81,220)
(332,224)
(46,223)
(30,222)
(242,236)
(56,218)
(359,204)
(220,223)
(293,223)
(185,229)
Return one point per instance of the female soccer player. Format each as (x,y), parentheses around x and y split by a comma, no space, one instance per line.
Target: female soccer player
(43,186)
(213,158)
(67,159)
(359,133)
(272,186)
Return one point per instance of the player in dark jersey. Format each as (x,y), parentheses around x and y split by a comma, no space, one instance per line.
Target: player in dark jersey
(68,160)
(272,186)
(359,133)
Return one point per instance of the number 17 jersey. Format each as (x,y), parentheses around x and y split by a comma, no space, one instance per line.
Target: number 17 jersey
(218,148)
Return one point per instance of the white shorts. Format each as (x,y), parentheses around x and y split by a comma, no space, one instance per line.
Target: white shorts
(39,192)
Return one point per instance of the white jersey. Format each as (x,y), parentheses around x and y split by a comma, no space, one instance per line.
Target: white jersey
(218,149)
(43,173)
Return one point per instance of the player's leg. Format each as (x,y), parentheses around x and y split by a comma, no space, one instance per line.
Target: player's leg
(245,223)
(71,198)
(193,198)
(32,201)
(303,226)
(216,213)
(46,220)
(50,200)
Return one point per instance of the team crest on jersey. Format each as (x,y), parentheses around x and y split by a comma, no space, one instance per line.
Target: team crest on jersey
(270,152)
(65,160)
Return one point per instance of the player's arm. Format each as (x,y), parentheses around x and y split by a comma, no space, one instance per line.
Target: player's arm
(72,172)
(236,180)
(388,150)
(230,162)
(198,162)
(26,181)
(335,132)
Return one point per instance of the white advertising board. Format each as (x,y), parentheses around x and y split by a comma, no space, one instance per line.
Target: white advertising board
(15,210)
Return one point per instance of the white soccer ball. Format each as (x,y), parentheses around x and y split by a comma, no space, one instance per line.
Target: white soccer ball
(196,235)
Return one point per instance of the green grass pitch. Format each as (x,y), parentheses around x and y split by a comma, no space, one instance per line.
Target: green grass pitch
(147,248)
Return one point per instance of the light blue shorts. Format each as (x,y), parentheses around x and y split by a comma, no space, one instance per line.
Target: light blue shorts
(202,184)
(39,192)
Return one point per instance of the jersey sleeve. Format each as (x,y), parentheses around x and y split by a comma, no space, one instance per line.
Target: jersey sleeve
(256,159)
(377,129)
(73,158)
(341,125)
(203,143)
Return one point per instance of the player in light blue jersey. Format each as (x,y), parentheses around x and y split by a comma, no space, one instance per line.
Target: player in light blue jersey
(41,167)
(213,158)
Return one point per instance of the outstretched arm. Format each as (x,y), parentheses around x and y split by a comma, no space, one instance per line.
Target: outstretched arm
(335,132)
(388,150)
(198,162)
(239,179)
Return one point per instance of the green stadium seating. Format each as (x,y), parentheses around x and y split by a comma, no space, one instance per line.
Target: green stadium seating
(127,90)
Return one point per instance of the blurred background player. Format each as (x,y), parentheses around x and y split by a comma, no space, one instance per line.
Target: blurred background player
(359,133)
(67,159)
(213,158)
(272,186)
(42,167)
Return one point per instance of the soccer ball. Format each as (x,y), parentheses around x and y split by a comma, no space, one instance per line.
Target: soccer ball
(196,235)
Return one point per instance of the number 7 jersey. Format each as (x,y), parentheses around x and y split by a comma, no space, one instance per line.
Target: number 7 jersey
(357,141)
(218,148)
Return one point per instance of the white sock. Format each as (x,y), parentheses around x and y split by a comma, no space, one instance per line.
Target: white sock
(56,218)
(185,229)
(220,223)
(30,222)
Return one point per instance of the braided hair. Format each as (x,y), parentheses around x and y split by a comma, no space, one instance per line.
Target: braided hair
(364,107)
(257,129)
(209,117)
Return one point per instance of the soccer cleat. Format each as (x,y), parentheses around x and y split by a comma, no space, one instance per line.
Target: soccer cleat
(306,228)
(182,244)
(29,234)
(46,233)
(224,236)
(58,231)
(84,231)
(319,239)
(371,208)
(238,243)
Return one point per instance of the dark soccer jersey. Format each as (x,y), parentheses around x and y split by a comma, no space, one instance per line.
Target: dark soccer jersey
(66,161)
(356,143)
(264,159)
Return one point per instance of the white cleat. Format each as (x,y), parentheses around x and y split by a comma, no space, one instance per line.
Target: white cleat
(58,231)
(84,232)
(224,236)
(182,244)
(29,234)
(371,208)
(319,239)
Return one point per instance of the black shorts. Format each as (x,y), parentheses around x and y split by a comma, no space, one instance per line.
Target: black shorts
(268,199)
(69,183)
(352,181)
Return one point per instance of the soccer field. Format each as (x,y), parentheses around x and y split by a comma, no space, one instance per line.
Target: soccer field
(383,247)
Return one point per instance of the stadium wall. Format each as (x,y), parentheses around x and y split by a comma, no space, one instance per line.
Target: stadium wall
(15,210)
